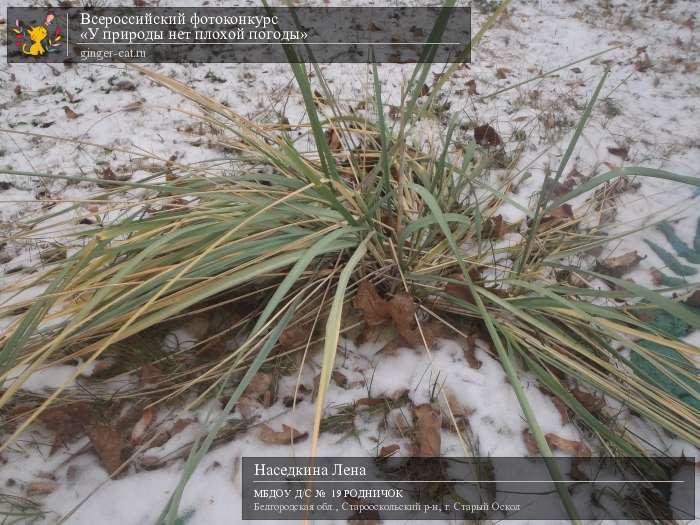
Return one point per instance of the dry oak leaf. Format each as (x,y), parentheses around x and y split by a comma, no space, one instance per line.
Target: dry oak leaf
(470,352)
(591,402)
(576,448)
(620,151)
(619,266)
(339,379)
(108,445)
(285,436)
(571,278)
(495,227)
(150,462)
(375,310)
(41,487)
(248,407)
(389,450)
(530,443)
(392,347)
(180,425)
(694,299)
(428,333)
(370,402)
(333,140)
(486,136)
(561,408)
(461,291)
(458,411)
(258,386)
(471,87)
(561,213)
(402,309)
(67,422)
(558,216)
(141,426)
(70,114)
(293,337)
(565,211)
(502,72)
(399,423)
(426,431)
(149,375)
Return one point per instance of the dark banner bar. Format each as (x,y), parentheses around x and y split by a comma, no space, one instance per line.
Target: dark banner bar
(467,488)
(238,34)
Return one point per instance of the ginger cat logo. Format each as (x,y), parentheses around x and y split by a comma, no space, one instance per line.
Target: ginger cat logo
(38,40)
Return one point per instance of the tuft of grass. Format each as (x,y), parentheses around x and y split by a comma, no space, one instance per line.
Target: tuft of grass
(281,233)
(19,510)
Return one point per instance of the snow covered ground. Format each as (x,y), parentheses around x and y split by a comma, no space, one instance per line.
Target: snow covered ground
(648,115)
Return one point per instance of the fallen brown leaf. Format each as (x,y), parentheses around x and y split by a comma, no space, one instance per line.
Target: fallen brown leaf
(495,227)
(141,426)
(426,431)
(150,462)
(502,72)
(530,443)
(576,448)
(591,402)
(402,309)
(370,402)
(694,299)
(375,310)
(180,425)
(471,87)
(258,386)
(399,424)
(643,64)
(461,291)
(339,379)
(565,211)
(561,408)
(108,445)
(41,487)
(620,151)
(618,266)
(558,216)
(459,412)
(124,85)
(70,114)
(248,407)
(285,436)
(150,375)
(486,136)
(389,450)
(67,422)
(572,278)
(470,352)
(333,139)
(293,337)
(392,347)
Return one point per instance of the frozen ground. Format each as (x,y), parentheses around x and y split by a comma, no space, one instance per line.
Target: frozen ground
(648,112)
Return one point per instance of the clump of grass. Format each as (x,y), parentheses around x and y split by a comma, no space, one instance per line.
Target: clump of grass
(281,238)
(17,509)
